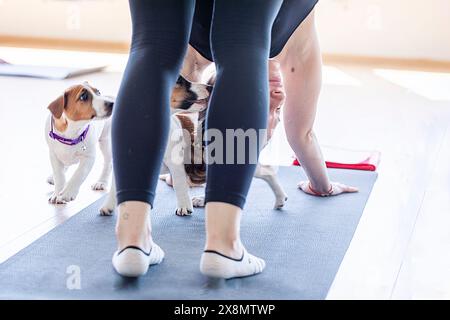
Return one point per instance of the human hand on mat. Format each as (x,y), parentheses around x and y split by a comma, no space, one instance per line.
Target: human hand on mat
(335,189)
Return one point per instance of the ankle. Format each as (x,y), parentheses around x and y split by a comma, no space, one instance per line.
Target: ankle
(229,247)
(133,237)
(133,226)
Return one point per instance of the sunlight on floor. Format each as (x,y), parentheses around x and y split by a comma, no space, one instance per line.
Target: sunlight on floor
(334,76)
(434,86)
(63,58)
(116,62)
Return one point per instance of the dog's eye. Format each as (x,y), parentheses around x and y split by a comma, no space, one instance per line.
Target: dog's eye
(84,96)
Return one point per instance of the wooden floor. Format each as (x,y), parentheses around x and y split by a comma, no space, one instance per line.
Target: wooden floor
(401,249)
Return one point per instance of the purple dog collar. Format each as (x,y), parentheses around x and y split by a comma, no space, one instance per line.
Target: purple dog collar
(69,142)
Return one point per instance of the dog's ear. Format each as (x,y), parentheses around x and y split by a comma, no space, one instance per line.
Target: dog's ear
(57,106)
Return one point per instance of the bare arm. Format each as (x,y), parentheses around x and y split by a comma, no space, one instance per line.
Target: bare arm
(302,75)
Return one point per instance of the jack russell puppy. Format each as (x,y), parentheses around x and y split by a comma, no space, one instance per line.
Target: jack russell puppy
(188,106)
(72,134)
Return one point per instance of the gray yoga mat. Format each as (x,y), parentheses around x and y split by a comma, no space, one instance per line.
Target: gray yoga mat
(303,245)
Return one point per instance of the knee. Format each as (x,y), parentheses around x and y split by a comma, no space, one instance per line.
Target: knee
(224,53)
(239,55)
(251,45)
(169,54)
(148,45)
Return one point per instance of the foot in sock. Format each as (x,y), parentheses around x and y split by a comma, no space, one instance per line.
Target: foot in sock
(132,261)
(218,265)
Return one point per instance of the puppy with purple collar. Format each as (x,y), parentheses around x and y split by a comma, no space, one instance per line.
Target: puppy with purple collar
(73,131)
(79,119)
(72,134)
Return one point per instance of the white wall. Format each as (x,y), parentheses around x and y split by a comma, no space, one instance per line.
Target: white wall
(105,20)
(415,29)
(386,28)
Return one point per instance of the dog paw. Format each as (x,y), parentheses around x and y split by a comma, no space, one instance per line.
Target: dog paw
(106,211)
(280,202)
(55,199)
(198,202)
(108,206)
(99,186)
(184,206)
(67,196)
(50,180)
(181,212)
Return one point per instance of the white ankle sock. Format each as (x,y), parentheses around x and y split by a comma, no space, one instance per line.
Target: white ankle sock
(132,261)
(215,264)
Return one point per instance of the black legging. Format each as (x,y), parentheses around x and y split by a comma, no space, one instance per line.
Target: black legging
(240,42)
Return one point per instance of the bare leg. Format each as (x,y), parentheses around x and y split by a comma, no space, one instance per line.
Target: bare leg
(301,65)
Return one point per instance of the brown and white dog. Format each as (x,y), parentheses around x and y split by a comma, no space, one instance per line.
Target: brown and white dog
(188,105)
(196,173)
(186,99)
(72,134)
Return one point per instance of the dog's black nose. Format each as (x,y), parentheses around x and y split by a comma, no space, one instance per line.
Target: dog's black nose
(109,104)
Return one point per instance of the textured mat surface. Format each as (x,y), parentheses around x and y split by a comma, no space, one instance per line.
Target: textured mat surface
(303,245)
